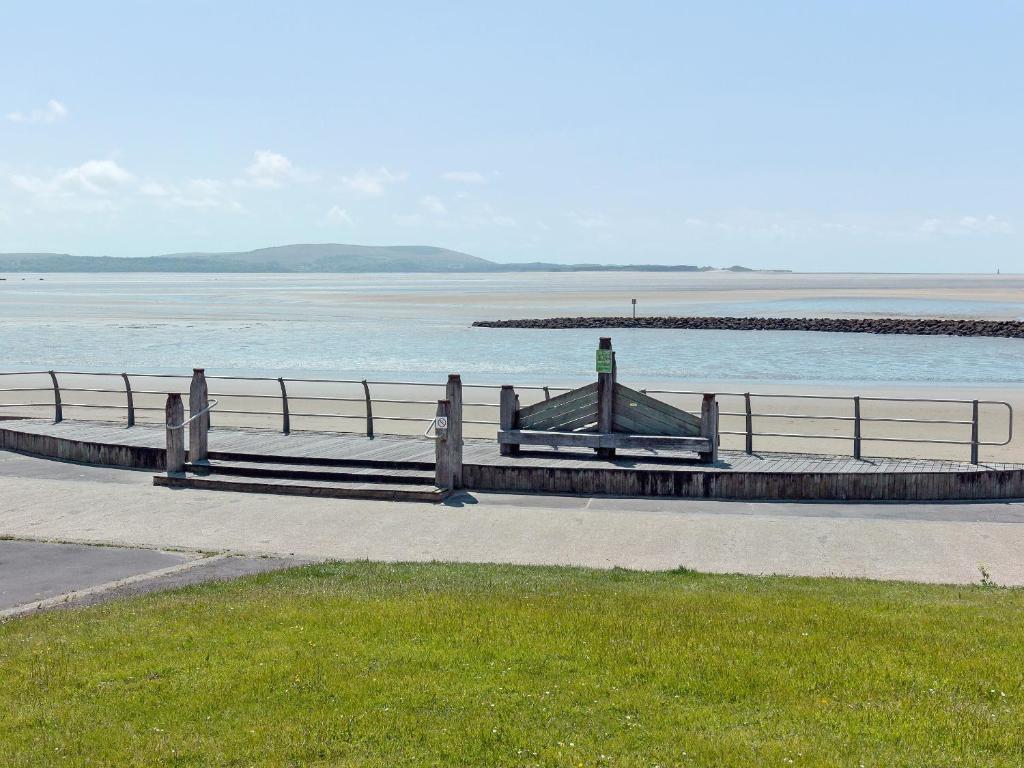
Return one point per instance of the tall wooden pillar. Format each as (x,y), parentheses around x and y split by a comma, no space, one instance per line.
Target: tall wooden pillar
(198,400)
(174,417)
(453,393)
(605,392)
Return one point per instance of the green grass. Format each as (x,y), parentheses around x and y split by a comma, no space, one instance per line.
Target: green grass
(386,665)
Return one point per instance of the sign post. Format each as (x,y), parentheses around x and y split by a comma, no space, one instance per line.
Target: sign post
(605,392)
(634,309)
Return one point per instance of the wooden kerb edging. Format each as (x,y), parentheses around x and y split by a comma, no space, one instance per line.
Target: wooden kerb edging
(736,475)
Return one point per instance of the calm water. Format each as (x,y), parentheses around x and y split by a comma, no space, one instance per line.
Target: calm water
(417,326)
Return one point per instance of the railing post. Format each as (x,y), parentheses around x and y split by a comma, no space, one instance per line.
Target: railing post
(131,400)
(507,418)
(58,410)
(369,409)
(547,394)
(286,422)
(709,426)
(447,450)
(174,414)
(856,427)
(974,432)
(750,423)
(198,401)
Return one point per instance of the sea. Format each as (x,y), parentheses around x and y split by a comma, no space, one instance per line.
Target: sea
(418,327)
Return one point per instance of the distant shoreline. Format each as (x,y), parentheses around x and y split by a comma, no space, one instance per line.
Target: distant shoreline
(318,258)
(1012,329)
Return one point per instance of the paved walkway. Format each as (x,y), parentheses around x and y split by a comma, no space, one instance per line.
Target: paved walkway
(41,499)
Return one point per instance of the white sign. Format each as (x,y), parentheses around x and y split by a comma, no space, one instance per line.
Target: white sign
(441,422)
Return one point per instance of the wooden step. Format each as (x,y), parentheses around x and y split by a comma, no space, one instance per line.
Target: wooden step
(269,468)
(304,487)
(321,461)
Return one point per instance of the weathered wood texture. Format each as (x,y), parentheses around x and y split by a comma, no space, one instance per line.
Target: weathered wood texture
(566,412)
(444,458)
(709,427)
(602,440)
(638,413)
(736,475)
(199,428)
(507,417)
(606,400)
(174,412)
(453,393)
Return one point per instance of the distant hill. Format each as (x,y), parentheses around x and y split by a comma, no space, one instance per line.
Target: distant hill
(310,258)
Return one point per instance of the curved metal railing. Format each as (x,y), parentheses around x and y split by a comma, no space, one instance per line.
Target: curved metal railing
(750,421)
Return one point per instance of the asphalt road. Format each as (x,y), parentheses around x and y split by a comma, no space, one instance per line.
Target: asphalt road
(31,571)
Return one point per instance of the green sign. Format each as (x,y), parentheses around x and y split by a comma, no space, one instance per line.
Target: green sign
(604,361)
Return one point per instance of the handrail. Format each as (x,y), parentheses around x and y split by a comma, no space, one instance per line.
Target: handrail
(747,412)
(212,404)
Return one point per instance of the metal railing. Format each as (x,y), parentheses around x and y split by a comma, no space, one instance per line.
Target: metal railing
(210,406)
(858,420)
(753,422)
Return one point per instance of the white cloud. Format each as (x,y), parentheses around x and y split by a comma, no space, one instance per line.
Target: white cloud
(433,205)
(373,183)
(588,221)
(269,170)
(338,215)
(465,177)
(967,225)
(94,177)
(53,112)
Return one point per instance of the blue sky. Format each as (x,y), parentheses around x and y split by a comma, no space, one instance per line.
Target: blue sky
(812,136)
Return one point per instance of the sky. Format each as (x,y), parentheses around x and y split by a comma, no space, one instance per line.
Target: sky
(817,136)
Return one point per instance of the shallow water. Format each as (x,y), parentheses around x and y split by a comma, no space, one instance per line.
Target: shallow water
(418,326)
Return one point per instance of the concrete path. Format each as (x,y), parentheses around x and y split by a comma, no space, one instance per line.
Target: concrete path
(41,499)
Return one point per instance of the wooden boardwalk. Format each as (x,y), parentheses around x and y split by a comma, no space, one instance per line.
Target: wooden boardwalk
(649,472)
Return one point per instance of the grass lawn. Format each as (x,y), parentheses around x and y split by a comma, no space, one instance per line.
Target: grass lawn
(387,665)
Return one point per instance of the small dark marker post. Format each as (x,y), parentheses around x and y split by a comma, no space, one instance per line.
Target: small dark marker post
(634,309)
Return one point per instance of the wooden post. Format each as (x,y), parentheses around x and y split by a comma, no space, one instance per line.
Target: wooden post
(453,393)
(286,419)
(507,418)
(856,427)
(447,451)
(174,415)
(709,426)
(198,400)
(606,399)
(58,409)
(750,423)
(369,410)
(131,400)
(974,432)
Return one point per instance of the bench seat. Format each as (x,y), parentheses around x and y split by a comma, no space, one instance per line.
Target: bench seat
(602,440)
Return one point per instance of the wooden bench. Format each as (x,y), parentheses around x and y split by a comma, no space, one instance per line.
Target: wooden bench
(606,416)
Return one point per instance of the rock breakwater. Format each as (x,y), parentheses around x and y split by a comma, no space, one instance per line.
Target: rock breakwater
(1013,329)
